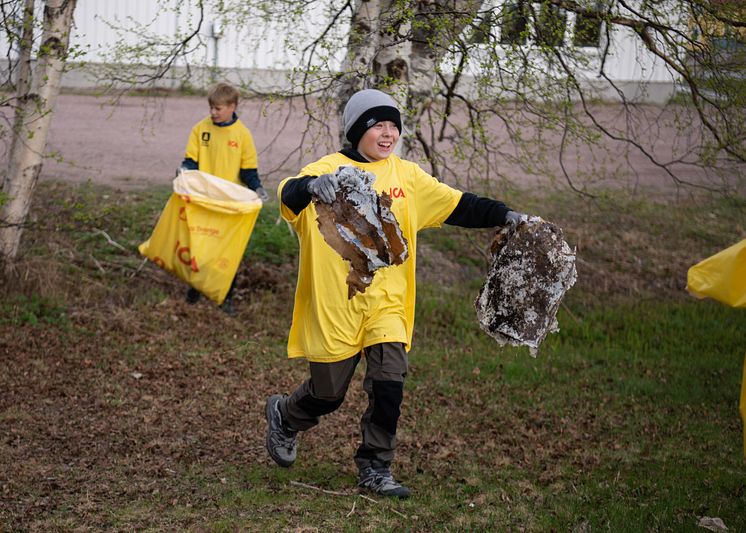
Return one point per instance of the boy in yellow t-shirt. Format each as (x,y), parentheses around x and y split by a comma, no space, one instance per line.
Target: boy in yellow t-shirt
(333,332)
(221,145)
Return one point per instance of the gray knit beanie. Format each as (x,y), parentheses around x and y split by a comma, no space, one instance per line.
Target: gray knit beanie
(364,110)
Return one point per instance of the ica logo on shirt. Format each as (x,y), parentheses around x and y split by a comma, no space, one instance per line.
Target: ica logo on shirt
(396,192)
(233,144)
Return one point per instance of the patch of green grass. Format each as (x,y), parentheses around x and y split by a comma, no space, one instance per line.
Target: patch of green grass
(150,297)
(272,241)
(127,217)
(33,310)
(631,408)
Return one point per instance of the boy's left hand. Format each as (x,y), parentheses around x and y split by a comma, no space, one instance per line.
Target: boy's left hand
(513,218)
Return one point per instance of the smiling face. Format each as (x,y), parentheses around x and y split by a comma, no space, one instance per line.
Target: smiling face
(221,112)
(378,141)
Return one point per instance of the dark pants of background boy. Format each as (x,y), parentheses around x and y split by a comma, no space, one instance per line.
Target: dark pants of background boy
(324,392)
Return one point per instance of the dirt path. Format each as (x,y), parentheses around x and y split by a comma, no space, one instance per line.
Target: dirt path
(140,141)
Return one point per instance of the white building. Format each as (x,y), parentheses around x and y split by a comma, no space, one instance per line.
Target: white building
(256,55)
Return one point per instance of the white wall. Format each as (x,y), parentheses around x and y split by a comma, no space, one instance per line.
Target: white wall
(245,41)
(256,51)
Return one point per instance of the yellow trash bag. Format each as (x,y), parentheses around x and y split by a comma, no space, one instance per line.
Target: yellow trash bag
(722,277)
(203,231)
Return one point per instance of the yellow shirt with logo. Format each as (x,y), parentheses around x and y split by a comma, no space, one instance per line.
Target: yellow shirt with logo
(329,327)
(222,150)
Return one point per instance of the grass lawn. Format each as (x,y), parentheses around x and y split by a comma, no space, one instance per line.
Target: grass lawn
(124,408)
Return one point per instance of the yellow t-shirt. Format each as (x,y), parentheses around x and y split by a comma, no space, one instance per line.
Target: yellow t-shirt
(327,326)
(222,150)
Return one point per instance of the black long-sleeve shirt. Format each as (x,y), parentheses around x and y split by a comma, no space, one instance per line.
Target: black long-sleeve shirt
(472,211)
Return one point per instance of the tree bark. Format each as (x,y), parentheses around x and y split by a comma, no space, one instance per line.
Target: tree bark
(34,115)
(23,77)
(401,54)
(439,23)
(375,50)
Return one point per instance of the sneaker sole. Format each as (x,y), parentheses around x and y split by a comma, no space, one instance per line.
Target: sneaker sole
(367,490)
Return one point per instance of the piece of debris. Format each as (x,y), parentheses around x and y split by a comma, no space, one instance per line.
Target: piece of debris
(532,268)
(360,226)
(713,524)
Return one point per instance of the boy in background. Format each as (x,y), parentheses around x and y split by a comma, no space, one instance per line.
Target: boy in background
(222,145)
(333,332)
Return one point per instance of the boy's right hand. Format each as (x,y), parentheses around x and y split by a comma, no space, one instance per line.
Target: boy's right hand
(325,187)
(262,194)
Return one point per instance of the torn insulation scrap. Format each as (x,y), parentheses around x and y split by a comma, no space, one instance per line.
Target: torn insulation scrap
(532,269)
(360,227)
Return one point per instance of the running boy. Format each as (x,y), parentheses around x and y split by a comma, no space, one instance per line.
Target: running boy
(221,145)
(333,332)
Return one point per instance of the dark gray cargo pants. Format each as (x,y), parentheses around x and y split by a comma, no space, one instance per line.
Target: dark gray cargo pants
(324,392)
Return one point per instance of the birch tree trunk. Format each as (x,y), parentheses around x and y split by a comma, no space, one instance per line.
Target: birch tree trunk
(439,23)
(34,115)
(23,77)
(376,50)
(401,51)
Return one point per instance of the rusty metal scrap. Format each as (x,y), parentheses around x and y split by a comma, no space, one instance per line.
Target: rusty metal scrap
(360,227)
(532,269)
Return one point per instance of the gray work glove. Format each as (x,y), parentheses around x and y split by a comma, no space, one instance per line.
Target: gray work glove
(514,218)
(325,187)
(262,194)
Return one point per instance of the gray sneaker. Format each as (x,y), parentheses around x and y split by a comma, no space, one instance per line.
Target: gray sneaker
(280,438)
(380,481)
